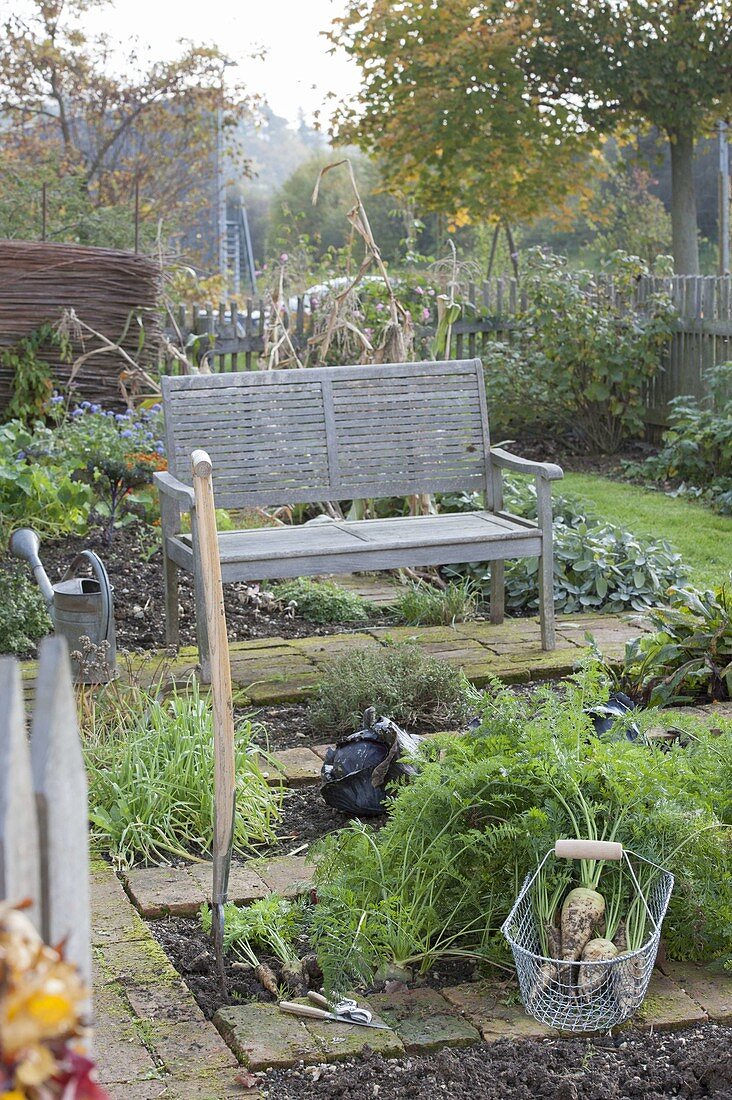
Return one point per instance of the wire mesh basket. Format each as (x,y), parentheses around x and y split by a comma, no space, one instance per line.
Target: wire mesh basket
(610,990)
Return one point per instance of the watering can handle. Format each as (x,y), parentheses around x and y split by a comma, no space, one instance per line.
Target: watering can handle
(101,575)
(588,849)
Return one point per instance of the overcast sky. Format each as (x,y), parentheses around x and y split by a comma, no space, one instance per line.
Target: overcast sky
(297,72)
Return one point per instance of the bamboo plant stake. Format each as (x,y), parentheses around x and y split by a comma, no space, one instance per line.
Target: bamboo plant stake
(223,706)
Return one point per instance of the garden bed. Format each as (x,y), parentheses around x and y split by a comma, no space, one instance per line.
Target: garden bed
(134,564)
(693,1063)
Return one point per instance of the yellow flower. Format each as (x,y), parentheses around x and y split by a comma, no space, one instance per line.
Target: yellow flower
(15,1094)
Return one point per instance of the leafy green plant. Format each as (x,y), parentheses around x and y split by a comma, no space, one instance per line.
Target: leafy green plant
(272,924)
(689,656)
(424,605)
(401,681)
(696,451)
(39,494)
(150,764)
(597,565)
(440,877)
(322,601)
(23,616)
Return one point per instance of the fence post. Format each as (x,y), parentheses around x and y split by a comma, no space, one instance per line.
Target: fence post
(19,875)
(59,779)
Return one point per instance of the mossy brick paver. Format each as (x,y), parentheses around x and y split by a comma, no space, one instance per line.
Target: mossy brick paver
(423,1020)
(163,891)
(189,886)
(301,766)
(112,918)
(711,989)
(271,770)
(489,1009)
(262,1037)
(288,875)
(328,647)
(245,885)
(666,1007)
(339,1041)
(120,1053)
(376,589)
(181,1038)
(136,962)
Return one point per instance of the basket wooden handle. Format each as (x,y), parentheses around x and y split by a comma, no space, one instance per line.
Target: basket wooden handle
(588,849)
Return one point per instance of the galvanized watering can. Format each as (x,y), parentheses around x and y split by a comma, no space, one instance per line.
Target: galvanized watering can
(79,607)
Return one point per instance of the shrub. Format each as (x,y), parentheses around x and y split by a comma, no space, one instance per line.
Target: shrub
(597,566)
(690,654)
(423,605)
(401,681)
(585,353)
(23,616)
(150,764)
(439,878)
(322,601)
(696,451)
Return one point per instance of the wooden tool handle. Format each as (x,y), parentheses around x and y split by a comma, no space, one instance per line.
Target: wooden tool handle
(588,849)
(223,707)
(319,999)
(304,1010)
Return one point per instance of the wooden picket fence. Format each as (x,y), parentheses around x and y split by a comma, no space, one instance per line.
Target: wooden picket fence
(232,336)
(44,847)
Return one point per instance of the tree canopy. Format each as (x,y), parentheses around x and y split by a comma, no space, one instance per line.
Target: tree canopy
(451,105)
(71,104)
(492,107)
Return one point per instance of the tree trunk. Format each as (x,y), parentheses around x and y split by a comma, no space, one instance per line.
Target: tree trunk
(683,203)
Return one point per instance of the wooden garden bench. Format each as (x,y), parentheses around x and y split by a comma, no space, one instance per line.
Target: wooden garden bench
(341,433)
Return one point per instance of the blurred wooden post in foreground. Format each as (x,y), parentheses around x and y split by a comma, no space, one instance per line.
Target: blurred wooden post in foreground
(44,812)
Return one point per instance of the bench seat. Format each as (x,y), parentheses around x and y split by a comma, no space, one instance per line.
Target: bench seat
(327,436)
(365,545)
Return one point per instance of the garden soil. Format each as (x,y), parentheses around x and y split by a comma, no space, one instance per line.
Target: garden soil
(133,562)
(693,1063)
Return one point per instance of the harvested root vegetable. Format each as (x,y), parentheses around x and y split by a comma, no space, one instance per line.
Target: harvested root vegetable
(591,977)
(294,977)
(619,939)
(582,913)
(266,978)
(547,971)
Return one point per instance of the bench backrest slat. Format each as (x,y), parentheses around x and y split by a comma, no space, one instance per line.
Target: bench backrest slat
(332,433)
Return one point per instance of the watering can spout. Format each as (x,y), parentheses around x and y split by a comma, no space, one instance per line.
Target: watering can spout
(25,543)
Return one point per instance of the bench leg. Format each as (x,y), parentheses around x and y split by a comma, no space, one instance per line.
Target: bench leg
(200,601)
(498,592)
(546,600)
(172,609)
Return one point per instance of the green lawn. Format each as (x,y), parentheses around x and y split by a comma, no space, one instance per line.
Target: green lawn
(703,538)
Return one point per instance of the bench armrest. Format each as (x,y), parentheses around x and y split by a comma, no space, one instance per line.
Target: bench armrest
(175,490)
(546,470)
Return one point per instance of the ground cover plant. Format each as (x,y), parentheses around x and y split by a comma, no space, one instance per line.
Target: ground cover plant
(322,601)
(411,687)
(703,538)
(696,450)
(597,565)
(149,759)
(439,878)
(689,656)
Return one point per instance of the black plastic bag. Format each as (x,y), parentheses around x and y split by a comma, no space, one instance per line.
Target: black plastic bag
(355,773)
(604,715)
